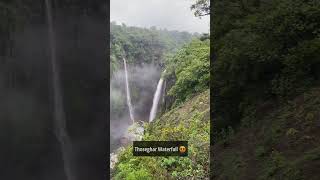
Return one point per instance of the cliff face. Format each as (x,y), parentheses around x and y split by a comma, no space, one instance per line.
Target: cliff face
(167,100)
(282,144)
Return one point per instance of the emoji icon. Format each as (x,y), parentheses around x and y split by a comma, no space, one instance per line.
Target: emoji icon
(182,149)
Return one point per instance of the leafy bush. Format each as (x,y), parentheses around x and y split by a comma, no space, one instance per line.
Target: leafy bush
(190,66)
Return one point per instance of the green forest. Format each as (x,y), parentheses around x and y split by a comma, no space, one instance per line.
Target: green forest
(265,89)
(143,45)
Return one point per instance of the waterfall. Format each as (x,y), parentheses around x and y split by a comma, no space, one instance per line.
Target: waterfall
(128,92)
(59,115)
(155,102)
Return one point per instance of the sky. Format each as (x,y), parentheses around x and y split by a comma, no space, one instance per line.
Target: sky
(169,14)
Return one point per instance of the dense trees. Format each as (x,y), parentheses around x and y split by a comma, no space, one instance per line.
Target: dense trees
(190,69)
(263,50)
(142,45)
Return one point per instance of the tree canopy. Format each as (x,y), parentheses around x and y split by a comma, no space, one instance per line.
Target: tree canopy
(144,45)
(201,8)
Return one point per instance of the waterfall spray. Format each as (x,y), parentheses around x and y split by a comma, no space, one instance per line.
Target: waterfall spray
(128,91)
(59,115)
(156,99)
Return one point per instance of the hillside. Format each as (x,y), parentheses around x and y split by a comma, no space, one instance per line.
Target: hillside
(190,122)
(282,142)
(265,104)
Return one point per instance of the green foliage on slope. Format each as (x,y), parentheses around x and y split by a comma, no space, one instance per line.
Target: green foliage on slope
(190,68)
(188,122)
(281,145)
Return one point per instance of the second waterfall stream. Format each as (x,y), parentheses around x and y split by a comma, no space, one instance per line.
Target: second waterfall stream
(156,99)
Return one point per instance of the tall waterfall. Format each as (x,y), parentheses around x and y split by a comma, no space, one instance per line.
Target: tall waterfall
(155,102)
(59,115)
(128,91)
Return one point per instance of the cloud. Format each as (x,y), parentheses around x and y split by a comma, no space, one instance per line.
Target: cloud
(170,14)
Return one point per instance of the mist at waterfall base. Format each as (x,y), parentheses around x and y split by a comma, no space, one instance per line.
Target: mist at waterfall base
(30,149)
(143,82)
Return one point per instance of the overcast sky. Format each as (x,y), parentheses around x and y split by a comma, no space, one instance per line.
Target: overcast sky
(170,14)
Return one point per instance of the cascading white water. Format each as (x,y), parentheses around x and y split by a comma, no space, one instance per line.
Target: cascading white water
(128,91)
(59,115)
(155,102)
